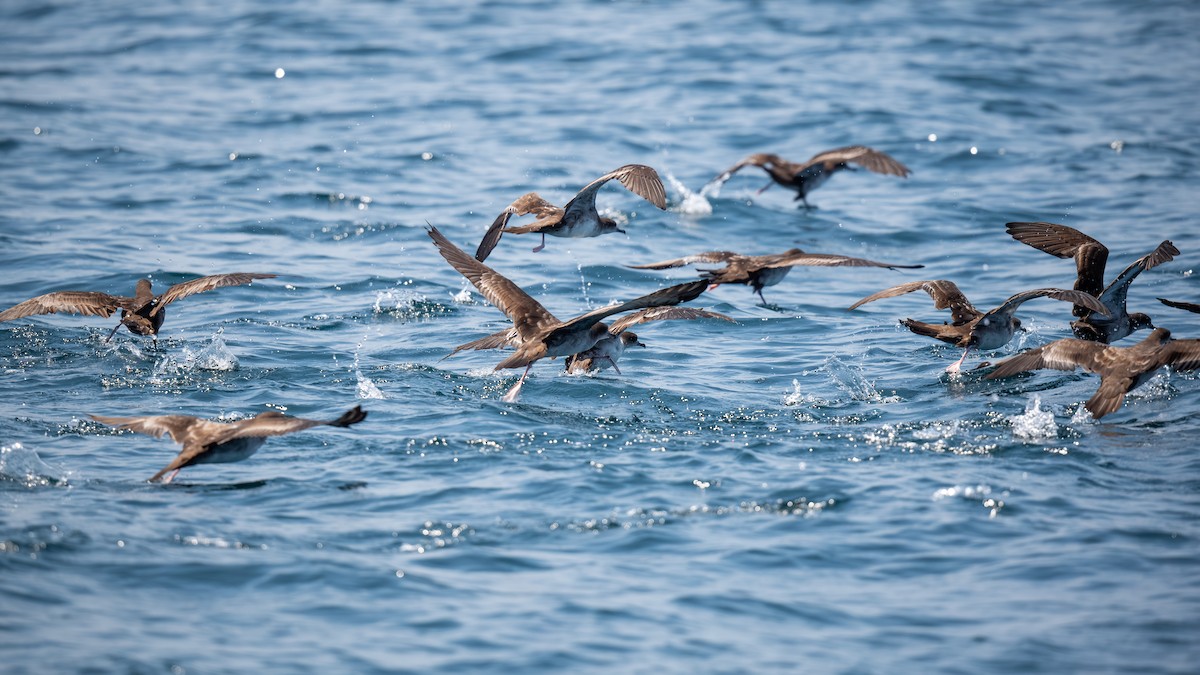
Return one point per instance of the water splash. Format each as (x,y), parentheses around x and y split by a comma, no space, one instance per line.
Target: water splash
(850,380)
(691,203)
(23,466)
(365,388)
(1034,423)
(214,356)
(796,397)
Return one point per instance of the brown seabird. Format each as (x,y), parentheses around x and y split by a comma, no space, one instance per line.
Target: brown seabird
(579,217)
(142,314)
(758,271)
(806,177)
(541,334)
(607,351)
(1090,258)
(970,328)
(209,442)
(1121,369)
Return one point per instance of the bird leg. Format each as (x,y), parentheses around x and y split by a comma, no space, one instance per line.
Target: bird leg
(540,246)
(171,476)
(614,364)
(511,396)
(114,332)
(956,367)
(764,188)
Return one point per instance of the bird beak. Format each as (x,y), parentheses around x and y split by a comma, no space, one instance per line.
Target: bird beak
(640,344)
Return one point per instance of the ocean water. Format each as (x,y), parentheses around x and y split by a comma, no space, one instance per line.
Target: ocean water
(804,489)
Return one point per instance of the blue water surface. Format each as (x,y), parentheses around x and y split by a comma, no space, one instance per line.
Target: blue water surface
(802,490)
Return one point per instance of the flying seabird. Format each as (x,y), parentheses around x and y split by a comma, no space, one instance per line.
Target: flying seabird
(1121,369)
(758,271)
(969,327)
(209,442)
(579,217)
(1090,258)
(541,334)
(806,177)
(607,351)
(142,314)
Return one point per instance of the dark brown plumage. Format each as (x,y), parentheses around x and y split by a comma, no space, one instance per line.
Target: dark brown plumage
(758,271)
(541,334)
(969,327)
(579,217)
(1189,306)
(607,351)
(209,442)
(143,314)
(1090,259)
(1121,369)
(808,176)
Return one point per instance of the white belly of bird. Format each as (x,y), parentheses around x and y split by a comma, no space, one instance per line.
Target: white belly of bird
(772,276)
(604,353)
(233,451)
(584,226)
(993,335)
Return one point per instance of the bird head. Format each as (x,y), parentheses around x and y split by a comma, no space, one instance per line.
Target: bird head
(1138,321)
(629,339)
(609,225)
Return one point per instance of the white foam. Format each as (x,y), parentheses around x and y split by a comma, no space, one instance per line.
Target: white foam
(691,203)
(366,388)
(1034,423)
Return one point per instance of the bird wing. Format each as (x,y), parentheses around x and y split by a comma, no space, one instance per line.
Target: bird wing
(708,257)
(87,303)
(944,293)
(1117,292)
(1065,354)
(1182,354)
(1066,242)
(178,427)
(274,423)
(182,290)
(1077,297)
(662,314)
(868,158)
(526,204)
(638,178)
(185,457)
(509,337)
(671,295)
(830,260)
(1189,306)
(529,317)
(1109,395)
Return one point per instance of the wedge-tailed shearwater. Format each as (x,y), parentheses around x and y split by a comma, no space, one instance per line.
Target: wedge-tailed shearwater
(1090,258)
(209,442)
(1121,369)
(758,271)
(579,217)
(542,335)
(970,328)
(607,351)
(806,177)
(142,314)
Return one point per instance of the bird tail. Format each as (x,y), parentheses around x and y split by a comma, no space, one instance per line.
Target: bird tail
(351,416)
